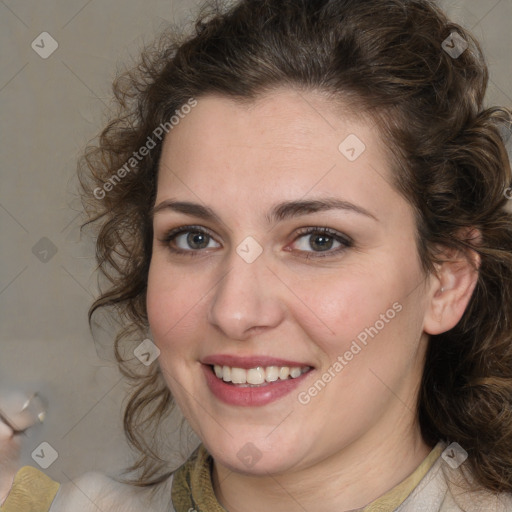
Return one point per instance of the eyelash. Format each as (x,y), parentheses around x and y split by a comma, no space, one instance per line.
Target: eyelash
(342,239)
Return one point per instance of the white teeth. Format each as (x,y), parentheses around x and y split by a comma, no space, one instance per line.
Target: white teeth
(272,374)
(259,375)
(256,375)
(226,373)
(238,376)
(284,372)
(295,372)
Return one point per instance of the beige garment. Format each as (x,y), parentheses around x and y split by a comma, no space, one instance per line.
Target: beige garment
(444,489)
(433,487)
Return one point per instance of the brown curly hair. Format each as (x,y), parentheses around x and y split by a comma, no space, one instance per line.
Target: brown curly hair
(386,59)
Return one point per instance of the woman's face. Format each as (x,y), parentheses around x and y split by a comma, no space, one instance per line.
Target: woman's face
(260,292)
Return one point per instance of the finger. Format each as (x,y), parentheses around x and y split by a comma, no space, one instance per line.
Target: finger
(19,411)
(6,432)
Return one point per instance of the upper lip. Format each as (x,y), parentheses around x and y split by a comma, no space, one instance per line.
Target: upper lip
(248,362)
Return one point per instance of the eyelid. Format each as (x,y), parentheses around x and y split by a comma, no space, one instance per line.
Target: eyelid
(345,240)
(324,230)
(185,228)
(172,234)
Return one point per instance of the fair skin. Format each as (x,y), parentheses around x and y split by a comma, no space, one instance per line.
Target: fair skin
(12,411)
(9,450)
(359,436)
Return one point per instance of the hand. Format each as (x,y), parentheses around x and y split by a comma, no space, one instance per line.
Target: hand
(18,411)
(10,448)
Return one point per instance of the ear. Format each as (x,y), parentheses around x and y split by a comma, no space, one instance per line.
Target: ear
(451,287)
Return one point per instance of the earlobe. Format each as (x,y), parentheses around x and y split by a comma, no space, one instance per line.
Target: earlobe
(450,292)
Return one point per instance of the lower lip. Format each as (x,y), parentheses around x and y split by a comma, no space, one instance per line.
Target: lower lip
(250,396)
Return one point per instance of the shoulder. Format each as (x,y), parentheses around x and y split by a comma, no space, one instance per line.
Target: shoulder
(94,490)
(468,495)
(31,488)
(447,489)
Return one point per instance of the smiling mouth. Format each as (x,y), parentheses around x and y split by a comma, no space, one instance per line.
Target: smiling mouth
(259,376)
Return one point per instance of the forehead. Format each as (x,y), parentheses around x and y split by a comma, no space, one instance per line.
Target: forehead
(281,117)
(284,119)
(283,145)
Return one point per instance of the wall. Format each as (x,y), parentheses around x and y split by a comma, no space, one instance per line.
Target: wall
(50,108)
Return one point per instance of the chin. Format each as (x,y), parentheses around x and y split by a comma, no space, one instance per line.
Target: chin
(258,458)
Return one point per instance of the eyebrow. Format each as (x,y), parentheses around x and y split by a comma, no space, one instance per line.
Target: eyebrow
(278,213)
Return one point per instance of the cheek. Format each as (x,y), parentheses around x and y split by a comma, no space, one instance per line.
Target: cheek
(331,308)
(176,303)
(339,307)
(166,302)
(365,315)
(171,308)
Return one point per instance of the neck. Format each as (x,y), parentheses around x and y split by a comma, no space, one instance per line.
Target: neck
(349,479)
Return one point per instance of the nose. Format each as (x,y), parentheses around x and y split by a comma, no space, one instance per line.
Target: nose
(247,299)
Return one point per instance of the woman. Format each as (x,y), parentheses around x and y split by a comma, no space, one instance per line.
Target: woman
(302,210)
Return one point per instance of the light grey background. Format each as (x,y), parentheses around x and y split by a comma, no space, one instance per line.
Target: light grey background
(50,109)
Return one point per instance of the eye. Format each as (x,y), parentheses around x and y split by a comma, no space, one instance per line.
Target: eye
(322,239)
(193,240)
(188,239)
